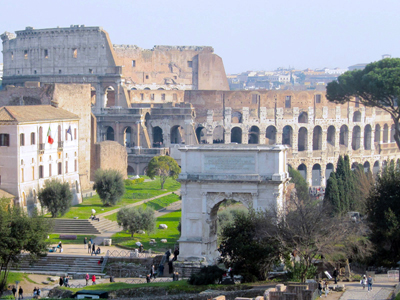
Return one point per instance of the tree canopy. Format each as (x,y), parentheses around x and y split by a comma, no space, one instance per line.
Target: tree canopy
(133,219)
(21,233)
(377,85)
(56,196)
(163,166)
(109,185)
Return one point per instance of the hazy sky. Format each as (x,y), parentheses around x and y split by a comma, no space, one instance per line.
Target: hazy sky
(248,35)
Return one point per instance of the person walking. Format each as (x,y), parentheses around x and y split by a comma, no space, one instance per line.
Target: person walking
(61,282)
(320,288)
(326,287)
(14,290)
(152,272)
(66,280)
(335,275)
(89,246)
(363,281)
(87,278)
(93,279)
(85,243)
(93,249)
(20,293)
(370,282)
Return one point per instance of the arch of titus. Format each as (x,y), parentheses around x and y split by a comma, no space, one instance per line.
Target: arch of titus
(255,175)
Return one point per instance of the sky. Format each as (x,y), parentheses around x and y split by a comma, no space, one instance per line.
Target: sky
(248,35)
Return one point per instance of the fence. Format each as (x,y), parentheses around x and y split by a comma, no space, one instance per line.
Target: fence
(132,281)
(128,254)
(393,275)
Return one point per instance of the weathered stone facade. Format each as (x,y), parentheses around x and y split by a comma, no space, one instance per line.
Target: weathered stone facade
(109,155)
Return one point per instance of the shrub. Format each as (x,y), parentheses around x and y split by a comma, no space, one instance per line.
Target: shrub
(207,275)
(130,182)
(109,185)
(295,271)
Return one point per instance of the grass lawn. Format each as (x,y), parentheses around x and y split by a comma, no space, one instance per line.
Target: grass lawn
(55,238)
(14,276)
(155,204)
(171,234)
(133,194)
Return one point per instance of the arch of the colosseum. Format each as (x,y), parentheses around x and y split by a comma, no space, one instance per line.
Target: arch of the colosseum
(255,175)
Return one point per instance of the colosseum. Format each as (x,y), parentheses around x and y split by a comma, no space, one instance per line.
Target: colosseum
(154,100)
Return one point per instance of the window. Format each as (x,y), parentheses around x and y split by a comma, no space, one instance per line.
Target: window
(40,172)
(22,174)
(59,168)
(162,96)
(32,138)
(59,71)
(357,102)
(34,72)
(288,101)
(175,77)
(190,64)
(22,162)
(151,96)
(254,98)
(74,133)
(33,173)
(12,55)
(66,167)
(133,63)
(26,54)
(318,98)
(76,166)
(4,139)
(75,53)
(175,97)
(90,71)
(46,53)
(22,139)
(141,96)
(147,76)
(49,170)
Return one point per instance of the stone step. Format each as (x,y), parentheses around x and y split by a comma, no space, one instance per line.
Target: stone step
(74,226)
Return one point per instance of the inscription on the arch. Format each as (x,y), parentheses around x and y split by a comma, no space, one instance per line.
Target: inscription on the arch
(223,163)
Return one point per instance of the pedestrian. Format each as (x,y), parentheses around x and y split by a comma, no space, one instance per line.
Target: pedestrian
(98,251)
(85,243)
(326,288)
(363,281)
(89,246)
(34,292)
(152,272)
(61,282)
(335,275)
(176,253)
(87,278)
(112,279)
(370,282)
(170,267)
(320,288)
(66,280)
(93,279)
(93,249)
(20,293)
(148,276)
(38,292)
(91,241)
(168,254)
(14,290)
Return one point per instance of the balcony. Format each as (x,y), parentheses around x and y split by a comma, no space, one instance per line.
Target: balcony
(60,145)
(41,148)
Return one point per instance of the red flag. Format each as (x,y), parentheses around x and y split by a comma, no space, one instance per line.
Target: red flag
(50,140)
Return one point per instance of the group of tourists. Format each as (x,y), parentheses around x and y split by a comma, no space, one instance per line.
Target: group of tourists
(366,282)
(91,247)
(64,281)
(20,292)
(87,277)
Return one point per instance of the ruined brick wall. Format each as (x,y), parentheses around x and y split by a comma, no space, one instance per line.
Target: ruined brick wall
(155,96)
(110,155)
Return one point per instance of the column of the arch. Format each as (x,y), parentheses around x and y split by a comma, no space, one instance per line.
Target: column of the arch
(349,141)
(324,142)
(245,135)
(309,173)
(362,148)
(100,133)
(227,135)
(337,141)
(227,125)
(278,138)
(101,98)
(138,125)
(322,177)
(295,139)
(166,137)
(117,134)
(372,144)
(261,138)
(310,135)
(190,134)
(209,126)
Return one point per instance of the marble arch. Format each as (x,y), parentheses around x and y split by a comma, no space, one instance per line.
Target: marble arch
(255,175)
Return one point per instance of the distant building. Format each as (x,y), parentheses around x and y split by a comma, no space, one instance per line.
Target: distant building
(37,143)
(357,67)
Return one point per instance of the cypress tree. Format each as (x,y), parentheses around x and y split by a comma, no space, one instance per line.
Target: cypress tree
(332,194)
(349,183)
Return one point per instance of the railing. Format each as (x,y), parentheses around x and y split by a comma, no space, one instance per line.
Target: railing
(133,281)
(60,145)
(149,151)
(103,265)
(128,254)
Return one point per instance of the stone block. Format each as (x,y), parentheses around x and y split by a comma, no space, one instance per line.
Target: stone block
(280,288)
(107,242)
(259,298)
(219,298)
(162,226)
(163,240)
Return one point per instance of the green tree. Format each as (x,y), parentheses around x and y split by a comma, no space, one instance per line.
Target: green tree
(332,195)
(383,210)
(363,182)
(300,184)
(248,255)
(21,233)
(377,85)
(163,166)
(56,196)
(109,185)
(133,219)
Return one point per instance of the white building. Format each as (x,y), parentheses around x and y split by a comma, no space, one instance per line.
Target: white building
(37,143)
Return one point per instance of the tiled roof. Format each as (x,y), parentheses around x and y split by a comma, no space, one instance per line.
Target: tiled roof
(34,113)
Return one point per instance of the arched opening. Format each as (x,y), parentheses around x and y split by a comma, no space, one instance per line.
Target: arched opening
(201,135)
(219,135)
(131,171)
(385,137)
(375,169)
(287,135)
(377,133)
(160,89)
(270,135)
(23,200)
(303,171)
(329,169)
(110,134)
(128,137)
(356,138)
(147,120)
(357,116)
(366,167)
(236,117)
(157,137)
(317,138)
(146,89)
(384,165)
(302,139)
(176,137)
(254,135)
(330,138)
(303,117)
(236,135)
(367,137)
(316,175)
(344,136)
(109,95)
(354,166)
(392,132)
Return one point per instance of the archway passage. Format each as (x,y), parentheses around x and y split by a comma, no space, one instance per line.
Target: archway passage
(236,117)
(357,116)
(376,168)
(356,139)
(367,137)
(330,138)
(316,175)
(377,133)
(176,137)
(236,135)
(303,171)
(344,136)
(317,138)
(303,117)
(128,137)
(367,167)
(287,136)
(157,137)
(254,135)
(270,135)
(201,135)
(329,169)
(219,135)
(302,139)
(385,138)
(131,171)
(109,95)
(109,133)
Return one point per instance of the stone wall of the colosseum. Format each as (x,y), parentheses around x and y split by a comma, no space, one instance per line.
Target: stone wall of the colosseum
(110,155)
(155,96)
